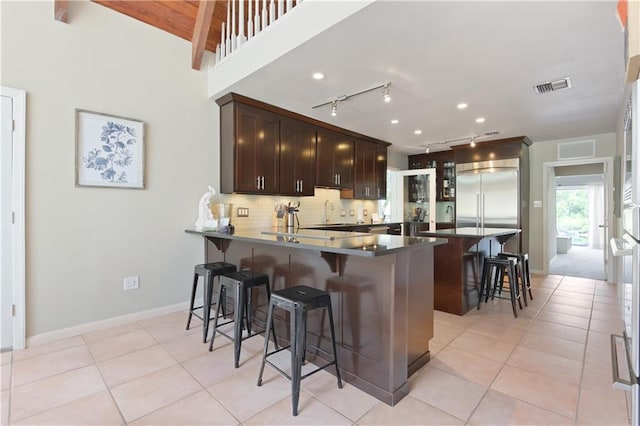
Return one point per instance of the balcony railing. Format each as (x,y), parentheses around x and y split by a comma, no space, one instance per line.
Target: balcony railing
(246,19)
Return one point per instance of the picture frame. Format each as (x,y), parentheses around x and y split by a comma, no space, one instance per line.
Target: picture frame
(109,151)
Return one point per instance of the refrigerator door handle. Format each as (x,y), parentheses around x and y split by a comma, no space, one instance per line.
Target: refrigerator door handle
(619,382)
(482,210)
(477,209)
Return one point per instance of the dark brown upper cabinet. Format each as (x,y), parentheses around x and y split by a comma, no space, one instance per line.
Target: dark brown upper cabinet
(444,163)
(335,160)
(370,165)
(297,157)
(251,164)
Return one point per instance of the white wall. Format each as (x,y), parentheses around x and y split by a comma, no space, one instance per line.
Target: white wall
(540,153)
(81,242)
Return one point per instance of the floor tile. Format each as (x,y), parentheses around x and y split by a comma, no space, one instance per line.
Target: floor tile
(121,344)
(497,330)
(573,295)
(559,397)
(607,326)
(36,368)
(451,319)
(135,364)
(499,409)
(578,303)
(467,365)
(214,367)
(4,407)
(488,347)
(189,347)
(605,307)
(566,309)
(310,412)
(241,395)
(446,333)
(170,326)
(610,315)
(5,376)
(596,338)
(97,409)
(54,391)
(409,411)
(99,335)
(348,401)
(564,319)
(598,355)
(554,345)
(559,330)
(546,364)
(596,408)
(447,392)
(146,394)
(611,300)
(197,409)
(47,348)
(597,378)
(436,346)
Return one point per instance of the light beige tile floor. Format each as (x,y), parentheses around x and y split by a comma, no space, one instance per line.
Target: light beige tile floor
(550,366)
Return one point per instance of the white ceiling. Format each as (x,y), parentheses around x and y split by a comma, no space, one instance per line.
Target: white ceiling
(437,54)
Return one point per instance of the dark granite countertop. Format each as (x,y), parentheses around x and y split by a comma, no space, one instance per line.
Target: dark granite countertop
(470,232)
(341,242)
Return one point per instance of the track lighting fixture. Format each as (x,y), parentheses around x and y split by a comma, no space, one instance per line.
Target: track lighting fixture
(473,141)
(334,103)
(385,93)
(427,150)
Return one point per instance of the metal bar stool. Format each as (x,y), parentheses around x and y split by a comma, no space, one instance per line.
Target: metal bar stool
(522,271)
(240,284)
(208,271)
(298,301)
(493,272)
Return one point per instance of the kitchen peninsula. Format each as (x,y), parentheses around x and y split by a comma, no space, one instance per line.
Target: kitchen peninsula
(381,289)
(459,264)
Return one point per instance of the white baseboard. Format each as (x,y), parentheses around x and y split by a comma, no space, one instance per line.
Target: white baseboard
(101,325)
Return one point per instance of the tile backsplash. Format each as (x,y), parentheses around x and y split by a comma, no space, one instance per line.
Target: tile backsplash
(261,208)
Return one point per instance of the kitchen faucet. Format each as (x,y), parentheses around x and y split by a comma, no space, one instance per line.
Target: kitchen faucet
(449,210)
(326,214)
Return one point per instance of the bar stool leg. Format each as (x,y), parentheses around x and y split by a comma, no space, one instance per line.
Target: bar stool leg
(193,298)
(238,314)
(221,293)
(333,342)
(206,305)
(298,328)
(266,343)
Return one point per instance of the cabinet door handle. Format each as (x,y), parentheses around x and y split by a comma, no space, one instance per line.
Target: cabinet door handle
(258,182)
(300,185)
(262,182)
(339,179)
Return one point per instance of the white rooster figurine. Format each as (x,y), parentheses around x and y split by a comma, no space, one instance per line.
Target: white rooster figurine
(205,217)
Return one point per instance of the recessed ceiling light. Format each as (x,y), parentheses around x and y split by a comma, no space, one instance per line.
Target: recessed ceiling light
(462,105)
(394,121)
(417,132)
(317,76)
(480,120)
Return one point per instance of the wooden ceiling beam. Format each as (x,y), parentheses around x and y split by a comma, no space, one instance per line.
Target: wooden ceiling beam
(201,32)
(60,10)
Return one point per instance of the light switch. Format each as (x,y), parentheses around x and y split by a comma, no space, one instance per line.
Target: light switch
(537,204)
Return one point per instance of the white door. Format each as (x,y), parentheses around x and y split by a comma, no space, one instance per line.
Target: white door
(6,238)
(398,180)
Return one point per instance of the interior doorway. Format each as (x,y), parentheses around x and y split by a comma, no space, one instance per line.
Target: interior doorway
(578,197)
(12,229)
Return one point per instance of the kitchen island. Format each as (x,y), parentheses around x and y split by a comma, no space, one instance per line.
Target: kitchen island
(381,289)
(459,263)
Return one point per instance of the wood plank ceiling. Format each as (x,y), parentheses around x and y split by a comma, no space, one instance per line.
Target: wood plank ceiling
(198,21)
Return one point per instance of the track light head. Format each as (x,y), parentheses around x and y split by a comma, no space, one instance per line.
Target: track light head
(385,92)
(473,141)
(427,150)
(334,108)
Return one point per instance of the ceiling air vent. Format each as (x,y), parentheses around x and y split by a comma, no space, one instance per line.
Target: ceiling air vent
(552,86)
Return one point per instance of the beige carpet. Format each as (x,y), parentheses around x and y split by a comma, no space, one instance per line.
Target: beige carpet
(579,262)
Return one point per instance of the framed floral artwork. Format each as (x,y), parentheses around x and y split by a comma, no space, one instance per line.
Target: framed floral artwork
(109,151)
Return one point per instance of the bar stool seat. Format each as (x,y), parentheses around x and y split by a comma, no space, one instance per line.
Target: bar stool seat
(298,301)
(241,285)
(493,273)
(523,273)
(208,271)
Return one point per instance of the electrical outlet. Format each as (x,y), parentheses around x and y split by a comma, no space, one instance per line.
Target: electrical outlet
(131,283)
(243,212)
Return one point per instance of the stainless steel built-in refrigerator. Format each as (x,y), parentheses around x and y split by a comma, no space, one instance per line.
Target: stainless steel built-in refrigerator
(487,194)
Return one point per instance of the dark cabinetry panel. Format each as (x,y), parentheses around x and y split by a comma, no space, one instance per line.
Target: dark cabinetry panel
(335,160)
(297,157)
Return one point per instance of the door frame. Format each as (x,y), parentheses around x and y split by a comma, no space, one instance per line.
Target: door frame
(19,103)
(607,170)
(397,195)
